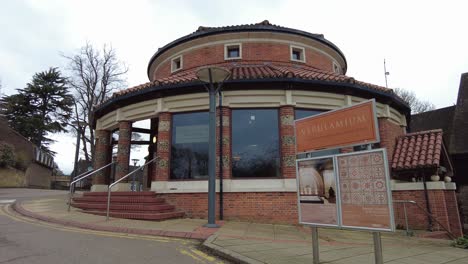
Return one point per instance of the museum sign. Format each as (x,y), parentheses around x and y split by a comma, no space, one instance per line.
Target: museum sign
(349,126)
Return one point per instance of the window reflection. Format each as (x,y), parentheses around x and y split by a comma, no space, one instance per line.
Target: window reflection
(255,143)
(189,152)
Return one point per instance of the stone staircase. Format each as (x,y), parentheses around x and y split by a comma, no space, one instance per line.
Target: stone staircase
(130,205)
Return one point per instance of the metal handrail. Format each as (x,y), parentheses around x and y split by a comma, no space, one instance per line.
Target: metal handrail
(427,213)
(80,177)
(109,188)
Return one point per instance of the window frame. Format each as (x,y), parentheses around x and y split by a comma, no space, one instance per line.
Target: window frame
(280,151)
(226,51)
(180,58)
(336,68)
(293,48)
(171,143)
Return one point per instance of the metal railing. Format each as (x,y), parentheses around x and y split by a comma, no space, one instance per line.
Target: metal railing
(82,177)
(408,232)
(109,188)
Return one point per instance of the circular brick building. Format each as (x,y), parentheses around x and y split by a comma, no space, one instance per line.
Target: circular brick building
(278,74)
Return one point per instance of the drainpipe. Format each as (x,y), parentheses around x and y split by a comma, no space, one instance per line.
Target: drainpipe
(221,207)
(428,206)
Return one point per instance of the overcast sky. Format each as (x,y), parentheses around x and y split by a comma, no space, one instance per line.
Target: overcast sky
(424,42)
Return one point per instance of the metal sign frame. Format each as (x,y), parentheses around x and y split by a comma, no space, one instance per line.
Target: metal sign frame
(377,132)
(339,224)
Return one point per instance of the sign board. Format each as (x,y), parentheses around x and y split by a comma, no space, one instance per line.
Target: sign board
(349,190)
(348,126)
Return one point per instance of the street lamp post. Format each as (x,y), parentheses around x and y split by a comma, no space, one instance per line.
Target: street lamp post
(212,75)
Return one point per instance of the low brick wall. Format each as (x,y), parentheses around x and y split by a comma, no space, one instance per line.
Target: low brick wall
(265,207)
(443,206)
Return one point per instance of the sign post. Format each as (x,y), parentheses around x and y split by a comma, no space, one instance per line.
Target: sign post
(346,191)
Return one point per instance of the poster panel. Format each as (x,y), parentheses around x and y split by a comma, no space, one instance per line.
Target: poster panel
(317,192)
(364,189)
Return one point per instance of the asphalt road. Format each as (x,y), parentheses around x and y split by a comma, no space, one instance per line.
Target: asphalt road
(25,240)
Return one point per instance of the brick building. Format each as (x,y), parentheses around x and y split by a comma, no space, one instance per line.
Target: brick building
(453,120)
(278,75)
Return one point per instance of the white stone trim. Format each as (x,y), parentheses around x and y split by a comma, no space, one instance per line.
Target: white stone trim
(302,49)
(226,51)
(240,99)
(418,186)
(229,186)
(99,188)
(173,69)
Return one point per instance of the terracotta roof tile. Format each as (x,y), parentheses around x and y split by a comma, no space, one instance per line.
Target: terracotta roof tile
(418,150)
(259,70)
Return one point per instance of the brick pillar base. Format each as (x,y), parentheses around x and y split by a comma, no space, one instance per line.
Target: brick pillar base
(123,151)
(161,170)
(102,156)
(288,142)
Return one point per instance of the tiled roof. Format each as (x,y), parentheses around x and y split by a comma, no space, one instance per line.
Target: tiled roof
(257,71)
(418,150)
(265,24)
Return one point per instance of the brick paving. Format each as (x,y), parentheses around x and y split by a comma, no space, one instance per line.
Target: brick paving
(259,243)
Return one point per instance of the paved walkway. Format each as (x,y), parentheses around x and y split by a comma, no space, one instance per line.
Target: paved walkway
(260,243)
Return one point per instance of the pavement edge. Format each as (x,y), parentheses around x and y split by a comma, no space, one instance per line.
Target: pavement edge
(135,231)
(226,253)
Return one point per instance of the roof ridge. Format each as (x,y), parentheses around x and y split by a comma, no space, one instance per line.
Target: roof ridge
(423,132)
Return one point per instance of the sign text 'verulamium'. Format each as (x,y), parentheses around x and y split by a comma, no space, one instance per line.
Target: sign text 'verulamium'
(347,126)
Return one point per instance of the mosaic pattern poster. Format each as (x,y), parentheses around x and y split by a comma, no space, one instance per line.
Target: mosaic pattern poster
(364,190)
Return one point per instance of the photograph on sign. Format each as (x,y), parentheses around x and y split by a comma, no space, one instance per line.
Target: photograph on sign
(365,192)
(348,126)
(316,181)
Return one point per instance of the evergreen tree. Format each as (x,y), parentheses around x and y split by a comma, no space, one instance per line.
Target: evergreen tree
(43,107)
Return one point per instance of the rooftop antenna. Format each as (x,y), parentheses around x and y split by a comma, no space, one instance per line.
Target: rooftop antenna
(386,73)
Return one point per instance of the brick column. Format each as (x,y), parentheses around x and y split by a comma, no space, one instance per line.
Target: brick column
(123,150)
(163,151)
(288,142)
(226,139)
(389,131)
(102,156)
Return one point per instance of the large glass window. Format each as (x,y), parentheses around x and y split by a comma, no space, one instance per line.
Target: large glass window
(303,113)
(189,153)
(255,143)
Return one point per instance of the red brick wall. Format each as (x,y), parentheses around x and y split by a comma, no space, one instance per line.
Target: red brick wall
(251,52)
(388,133)
(260,207)
(163,150)
(102,156)
(287,142)
(227,167)
(123,150)
(443,207)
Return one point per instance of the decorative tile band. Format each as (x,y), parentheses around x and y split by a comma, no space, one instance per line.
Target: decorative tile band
(287,120)
(164,126)
(288,140)
(289,161)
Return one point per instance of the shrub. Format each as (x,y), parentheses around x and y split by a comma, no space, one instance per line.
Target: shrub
(7,155)
(461,242)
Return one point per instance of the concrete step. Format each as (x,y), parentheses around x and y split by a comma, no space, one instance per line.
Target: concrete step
(119,199)
(149,208)
(132,194)
(140,215)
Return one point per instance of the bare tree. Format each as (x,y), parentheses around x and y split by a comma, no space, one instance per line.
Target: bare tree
(417,105)
(94,75)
